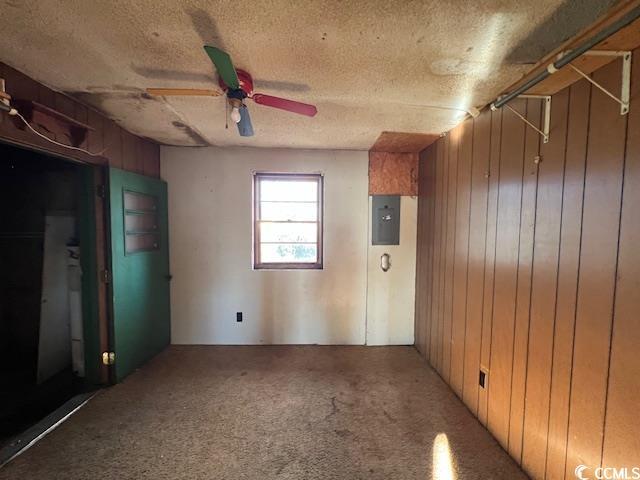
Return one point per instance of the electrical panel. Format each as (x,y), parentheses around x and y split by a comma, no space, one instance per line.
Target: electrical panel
(385,222)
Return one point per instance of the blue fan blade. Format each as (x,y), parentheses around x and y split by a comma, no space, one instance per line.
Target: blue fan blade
(244,125)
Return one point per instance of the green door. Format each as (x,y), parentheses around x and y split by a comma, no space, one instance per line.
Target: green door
(139,269)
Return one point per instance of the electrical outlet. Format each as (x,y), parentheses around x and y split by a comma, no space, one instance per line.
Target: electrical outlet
(238,316)
(483,378)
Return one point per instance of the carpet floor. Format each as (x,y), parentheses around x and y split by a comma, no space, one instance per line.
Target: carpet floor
(272,412)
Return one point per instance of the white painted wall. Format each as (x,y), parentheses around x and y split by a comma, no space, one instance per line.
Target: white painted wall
(210,222)
(391,294)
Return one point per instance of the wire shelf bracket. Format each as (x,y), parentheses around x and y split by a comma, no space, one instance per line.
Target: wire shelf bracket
(544,133)
(626,76)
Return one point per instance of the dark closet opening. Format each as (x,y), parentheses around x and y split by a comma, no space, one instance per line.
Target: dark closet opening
(42,332)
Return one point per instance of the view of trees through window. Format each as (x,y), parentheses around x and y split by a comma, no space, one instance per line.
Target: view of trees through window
(287,223)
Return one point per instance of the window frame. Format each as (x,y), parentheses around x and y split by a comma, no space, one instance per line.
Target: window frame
(257,263)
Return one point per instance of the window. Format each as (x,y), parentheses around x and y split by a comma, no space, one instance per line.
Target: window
(287,221)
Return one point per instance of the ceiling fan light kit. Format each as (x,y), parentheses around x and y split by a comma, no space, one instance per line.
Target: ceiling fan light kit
(238,86)
(244,125)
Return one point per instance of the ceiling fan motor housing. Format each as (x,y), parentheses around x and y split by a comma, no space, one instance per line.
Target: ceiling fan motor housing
(245,81)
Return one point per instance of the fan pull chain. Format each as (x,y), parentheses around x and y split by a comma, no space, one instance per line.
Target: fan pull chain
(226,115)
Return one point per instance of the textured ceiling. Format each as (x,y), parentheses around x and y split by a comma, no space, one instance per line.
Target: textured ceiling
(369,66)
(401,142)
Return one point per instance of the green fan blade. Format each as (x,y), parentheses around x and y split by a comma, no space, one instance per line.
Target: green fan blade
(223,64)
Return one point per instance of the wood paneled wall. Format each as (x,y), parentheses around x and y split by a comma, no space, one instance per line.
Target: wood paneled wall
(123,149)
(529,267)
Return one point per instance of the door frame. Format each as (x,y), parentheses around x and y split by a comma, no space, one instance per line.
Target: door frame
(94,287)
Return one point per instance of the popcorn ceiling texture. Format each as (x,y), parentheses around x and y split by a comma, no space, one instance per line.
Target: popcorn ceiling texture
(403,142)
(266,412)
(374,66)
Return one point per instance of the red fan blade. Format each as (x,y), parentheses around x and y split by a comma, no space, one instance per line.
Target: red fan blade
(284,104)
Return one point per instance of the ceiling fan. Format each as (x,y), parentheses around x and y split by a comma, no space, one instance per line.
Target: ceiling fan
(238,86)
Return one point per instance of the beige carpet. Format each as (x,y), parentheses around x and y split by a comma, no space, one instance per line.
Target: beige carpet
(272,412)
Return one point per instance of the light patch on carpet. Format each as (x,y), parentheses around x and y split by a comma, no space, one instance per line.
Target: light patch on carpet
(442,459)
